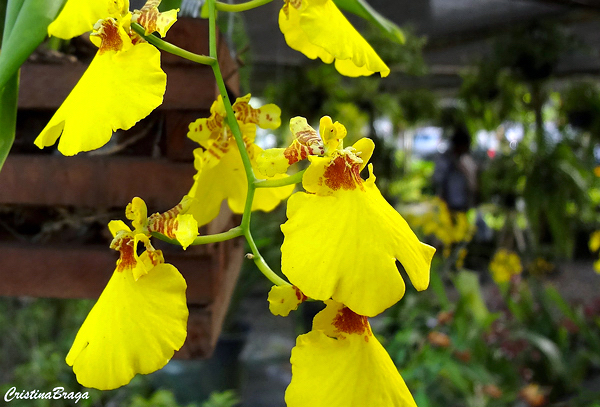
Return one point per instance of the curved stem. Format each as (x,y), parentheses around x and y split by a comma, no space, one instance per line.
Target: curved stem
(173,49)
(279,182)
(237,134)
(217,237)
(261,263)
(234,8)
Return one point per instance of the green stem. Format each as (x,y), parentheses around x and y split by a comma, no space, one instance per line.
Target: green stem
(239,140)
(217,237)
(172,49)
(261,263)
(280,182)
(234,8)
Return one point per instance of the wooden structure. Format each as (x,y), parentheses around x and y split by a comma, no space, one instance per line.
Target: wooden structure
(105,182)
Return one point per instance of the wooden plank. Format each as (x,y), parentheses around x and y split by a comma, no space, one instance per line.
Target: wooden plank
(190,86)
(61,271)
(206,322)
(46,86)
(93,181)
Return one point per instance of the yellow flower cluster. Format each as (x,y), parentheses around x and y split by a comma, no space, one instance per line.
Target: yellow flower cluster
(124,81)
(449,228)
(342,239)
(504,265)
(350,264)
(594,245)
(140,319)
(221,173)
(318,29)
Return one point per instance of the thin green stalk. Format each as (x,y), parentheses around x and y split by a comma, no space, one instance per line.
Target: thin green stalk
(280,182)
(217,237)
(237,134)
(172,49)
(235,8)
(231,120)
(261,263)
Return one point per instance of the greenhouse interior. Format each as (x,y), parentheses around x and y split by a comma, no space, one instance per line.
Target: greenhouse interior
(301,203)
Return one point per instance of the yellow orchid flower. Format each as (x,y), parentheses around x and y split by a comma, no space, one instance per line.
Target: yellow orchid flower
(318,29)
(141,316)
(353,258)
(221,173)
(340,363)
(504,265)
(124,81)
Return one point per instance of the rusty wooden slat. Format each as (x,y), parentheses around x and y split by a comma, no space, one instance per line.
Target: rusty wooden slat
(190,86)
(206,322)
(83,271)
(46,86)
(95,182)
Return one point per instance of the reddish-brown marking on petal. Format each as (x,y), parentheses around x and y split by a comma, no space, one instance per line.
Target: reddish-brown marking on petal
(343,173)
(155,256)
(109,34)
(166,222)
(311,139)
(366,338)
(246,113)
(296,152)
(300,295)
(126,253)
(135,38)
(347,321)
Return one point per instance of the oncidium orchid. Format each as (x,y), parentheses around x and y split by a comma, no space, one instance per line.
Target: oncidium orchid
(318,29)
(504,265)
(124,81)
(221,173)
(342,239)
(141,316)
(352,259)
(340,363)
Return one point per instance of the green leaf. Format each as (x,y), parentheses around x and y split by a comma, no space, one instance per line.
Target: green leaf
(8,116)
(467,284)
(362,9)
(29,30)
(548,349)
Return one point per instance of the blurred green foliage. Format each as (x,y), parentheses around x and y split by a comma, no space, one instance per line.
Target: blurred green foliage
(461,354)
(36,335)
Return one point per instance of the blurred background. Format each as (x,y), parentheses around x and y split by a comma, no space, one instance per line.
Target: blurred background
(512,315)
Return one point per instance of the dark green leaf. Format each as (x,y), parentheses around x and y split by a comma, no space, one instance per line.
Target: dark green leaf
(362,9)
(8,116)
(29,30)
(548,349)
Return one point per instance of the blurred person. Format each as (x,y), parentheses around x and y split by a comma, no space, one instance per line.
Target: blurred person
(455,174)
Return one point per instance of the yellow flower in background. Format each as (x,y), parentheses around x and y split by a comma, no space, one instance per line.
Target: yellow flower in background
(342,238)
(318,29)
(448,227)
(221,173)
(504,265)
(141,316)
(340,363)
(123,83)
(594,245)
